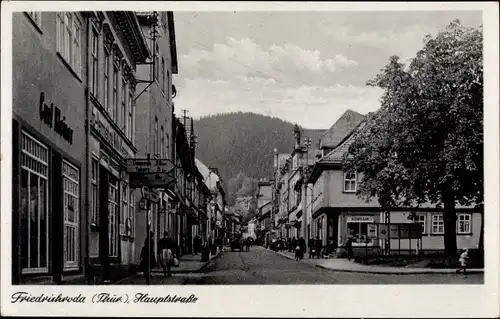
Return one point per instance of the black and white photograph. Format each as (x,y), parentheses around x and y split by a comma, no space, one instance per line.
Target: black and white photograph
(248,148)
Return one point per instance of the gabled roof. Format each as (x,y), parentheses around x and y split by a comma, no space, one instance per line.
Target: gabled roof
(341,129)
(336,156)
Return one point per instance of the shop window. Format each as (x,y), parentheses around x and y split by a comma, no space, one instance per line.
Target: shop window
(350,182)
(437,224)
(71,179)
(420,219)
(131,212)
(93,192)
(359,233)
(69,33)
(463,223)
(113,219)
(125,208)
(34,205)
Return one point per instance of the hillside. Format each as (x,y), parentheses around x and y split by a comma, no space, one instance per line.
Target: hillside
(242,144)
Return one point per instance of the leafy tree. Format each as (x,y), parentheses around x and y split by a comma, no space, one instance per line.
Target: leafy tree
(425,144)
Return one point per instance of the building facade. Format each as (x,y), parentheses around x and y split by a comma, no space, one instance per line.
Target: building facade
(48,137)
(155,122)
(338,213)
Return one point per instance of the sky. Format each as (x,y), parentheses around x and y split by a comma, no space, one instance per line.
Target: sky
(303,67)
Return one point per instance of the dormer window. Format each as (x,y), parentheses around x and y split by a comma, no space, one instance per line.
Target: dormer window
(350,182)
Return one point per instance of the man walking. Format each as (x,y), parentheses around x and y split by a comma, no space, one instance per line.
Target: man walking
(166,247)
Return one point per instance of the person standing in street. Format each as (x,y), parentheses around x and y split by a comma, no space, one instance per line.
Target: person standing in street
(348,246)
(166,247)
(318,246)
(148,243)
(312,252)
(464,260)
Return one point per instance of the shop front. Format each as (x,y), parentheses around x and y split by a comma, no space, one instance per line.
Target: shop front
(113,200)
(48,166)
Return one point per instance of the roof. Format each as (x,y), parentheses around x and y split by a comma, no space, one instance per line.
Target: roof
(336,156)
(210,178)
(315,136)
(129,25)
(341,129)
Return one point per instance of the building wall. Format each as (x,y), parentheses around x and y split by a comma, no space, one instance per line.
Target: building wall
(155,103)
(39,68)
(335,196)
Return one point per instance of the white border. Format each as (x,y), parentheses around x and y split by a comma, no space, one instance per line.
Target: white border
(294,300)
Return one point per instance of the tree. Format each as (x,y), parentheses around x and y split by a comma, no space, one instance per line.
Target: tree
(425,144)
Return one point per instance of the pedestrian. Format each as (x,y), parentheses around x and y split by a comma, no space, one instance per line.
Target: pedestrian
(297,251)
(293,244)
(166,247)
(312,252)
(348,246)
(302,245)
(197,244)
(464,260)
(148,243)
(319,246)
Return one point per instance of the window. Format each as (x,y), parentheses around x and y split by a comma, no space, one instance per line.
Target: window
(125,206)
(437,224)
(36,17)
(68,40)
(106,80)
(167,150)
(71,179)
(359,233)
(34,205)
(162,145)
(124,106)
(156,137)
(95,63)
(93,192)
(112,218)
(163,74)
(463,224)
(130,116)
(114,110)
(157,62)
(131,213)
(420,219)
(167,91)
(349,182)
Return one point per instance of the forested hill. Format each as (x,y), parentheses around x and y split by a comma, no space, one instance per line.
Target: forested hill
(242,142)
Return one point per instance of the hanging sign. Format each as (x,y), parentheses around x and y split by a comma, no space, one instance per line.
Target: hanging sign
(161,180)
(149,166)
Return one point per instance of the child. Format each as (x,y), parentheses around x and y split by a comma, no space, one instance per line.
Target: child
(464,260)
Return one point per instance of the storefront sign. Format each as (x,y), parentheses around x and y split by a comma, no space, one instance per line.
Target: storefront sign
(149,166)
(360,219)
(111,136)
(51,115)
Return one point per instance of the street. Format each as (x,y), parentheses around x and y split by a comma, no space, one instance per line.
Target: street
(262,266)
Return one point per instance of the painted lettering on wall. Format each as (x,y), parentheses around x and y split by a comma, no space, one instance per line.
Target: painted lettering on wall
(111,136)
(51,116)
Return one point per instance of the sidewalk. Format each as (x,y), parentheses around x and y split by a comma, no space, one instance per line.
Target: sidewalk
(188,264)
(338,264)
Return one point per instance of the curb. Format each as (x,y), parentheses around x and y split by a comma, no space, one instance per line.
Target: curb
(399,273)
(387,272)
